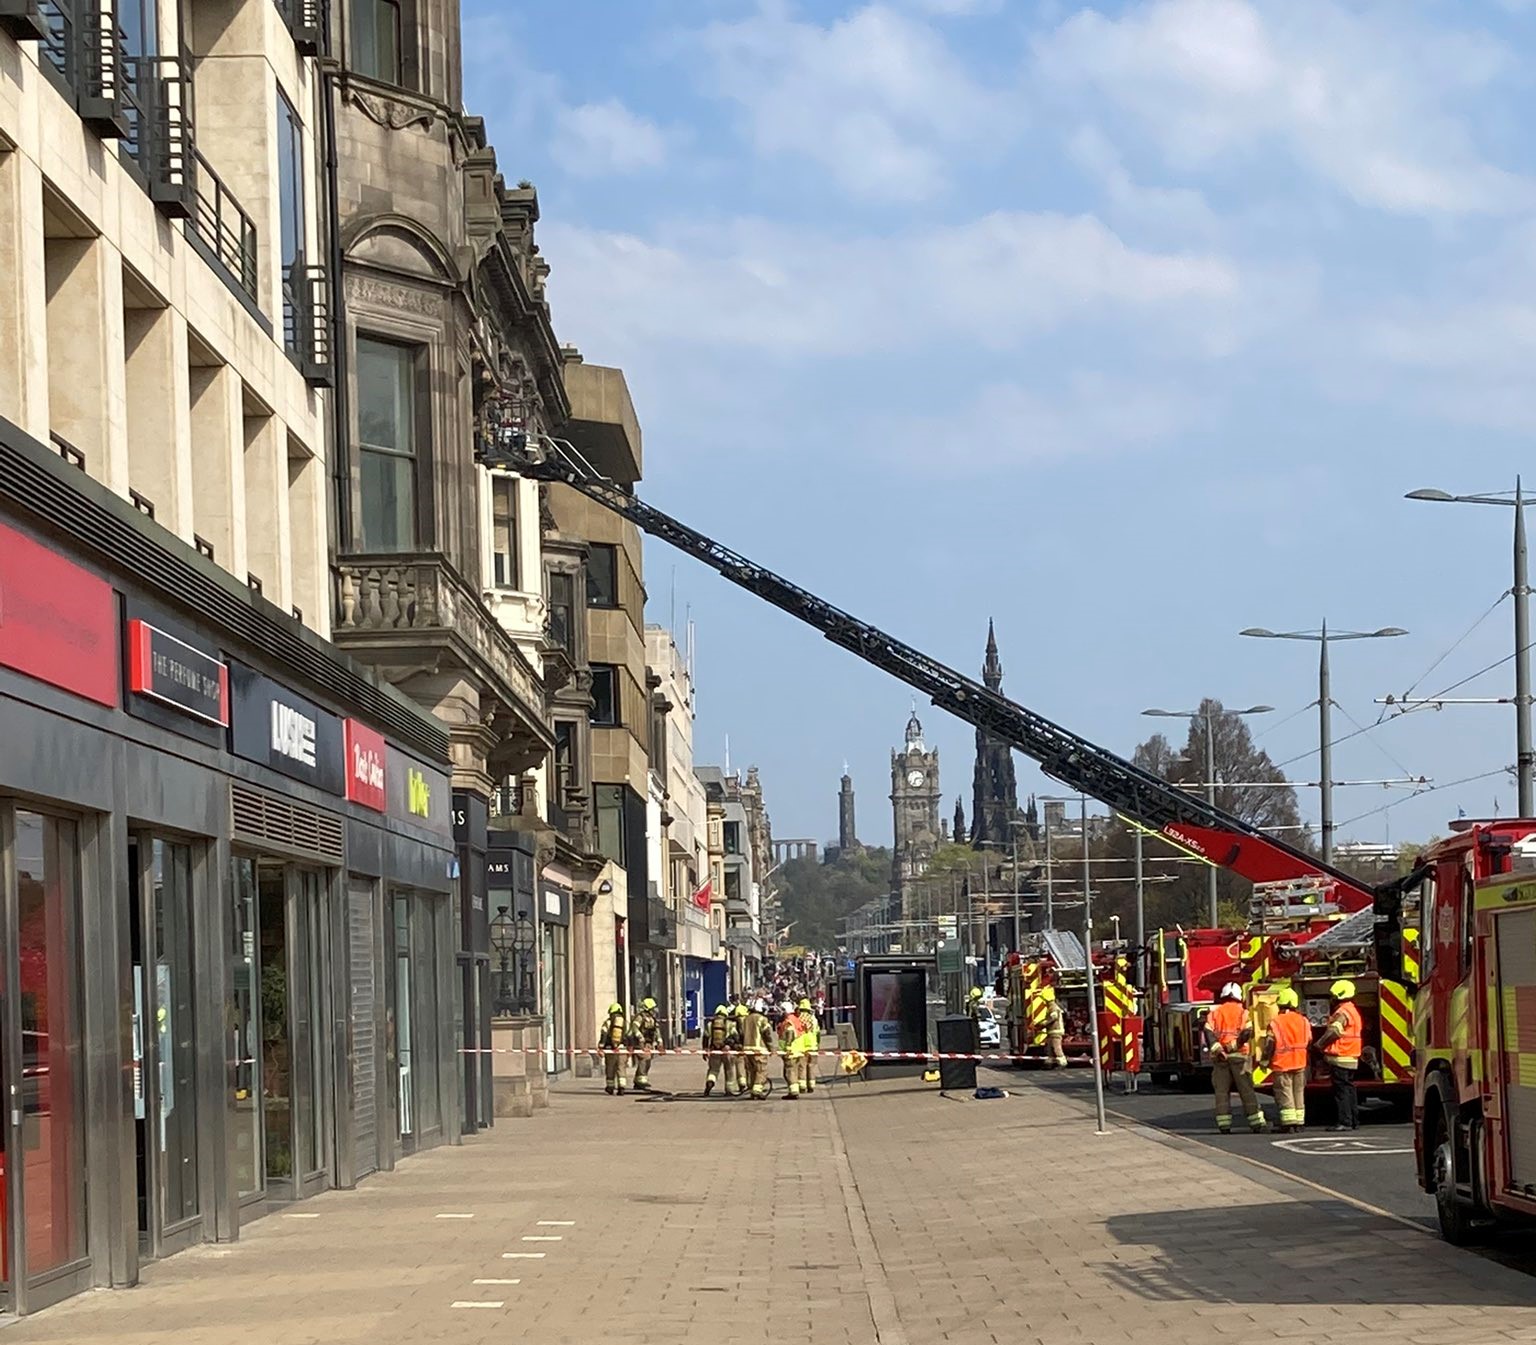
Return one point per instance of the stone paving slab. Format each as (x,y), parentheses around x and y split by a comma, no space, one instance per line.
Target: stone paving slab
(890,1216)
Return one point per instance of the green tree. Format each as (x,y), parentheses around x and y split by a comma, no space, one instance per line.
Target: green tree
(816,897)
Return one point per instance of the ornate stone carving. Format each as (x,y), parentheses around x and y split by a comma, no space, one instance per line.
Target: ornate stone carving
(404,298)
(389,112)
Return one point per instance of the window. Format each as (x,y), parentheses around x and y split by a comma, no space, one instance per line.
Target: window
(562,610)
(605,695)
(565,757)
(602,576)
(733,884)
(504,530)
(386,421)
(610,822)
(376,40)
(733,838)
(290,182)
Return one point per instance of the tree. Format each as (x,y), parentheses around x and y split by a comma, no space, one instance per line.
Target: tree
(815,897)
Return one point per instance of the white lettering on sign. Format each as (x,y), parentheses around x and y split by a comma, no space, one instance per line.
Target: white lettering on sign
(367,767)
(293,734)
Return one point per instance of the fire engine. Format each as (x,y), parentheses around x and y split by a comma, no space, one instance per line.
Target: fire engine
(1178,966)
(1474,1026)
(1055,960)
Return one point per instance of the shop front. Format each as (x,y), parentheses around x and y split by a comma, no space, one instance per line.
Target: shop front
(178,846)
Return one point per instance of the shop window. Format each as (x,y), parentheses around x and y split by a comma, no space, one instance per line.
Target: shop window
(610,822)
(605,695)
(504,531)
(602,575)
(243,1123)
(378,40)
(387,433)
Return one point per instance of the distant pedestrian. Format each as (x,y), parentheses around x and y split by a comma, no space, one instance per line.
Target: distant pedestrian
(1228,1035)
(1342,1039)
(1286,1040)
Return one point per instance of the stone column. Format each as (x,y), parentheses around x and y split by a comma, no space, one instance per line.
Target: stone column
(23,324)
(583,1024)
(218,471)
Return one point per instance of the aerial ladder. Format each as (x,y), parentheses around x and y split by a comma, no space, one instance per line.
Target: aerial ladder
(1187,820)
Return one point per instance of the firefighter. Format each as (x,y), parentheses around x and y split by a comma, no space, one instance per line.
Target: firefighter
(758,1043)
(717,1038)
(611,1038)
(1228,1034)
(1341,1041)
(736,1062)
(1055,1028)
(812,1043)
(972,1011)
(647,1037)
(792,1041)
(1286,1040)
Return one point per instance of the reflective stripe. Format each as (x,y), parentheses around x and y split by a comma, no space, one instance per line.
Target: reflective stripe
(1345,1048)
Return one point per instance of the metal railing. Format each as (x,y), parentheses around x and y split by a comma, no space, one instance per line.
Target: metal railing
(61,46)
(306,20)
(220,221)
(307,329)
(158,108)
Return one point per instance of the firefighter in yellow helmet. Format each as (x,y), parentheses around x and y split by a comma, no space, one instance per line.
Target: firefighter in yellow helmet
(1055,1028)
(717,1041)
(736,1063)
(647,1036)
(1341,1041)
(807,1014)
(610,1038)
(758,1041)
(1285,1052)
(792,1043)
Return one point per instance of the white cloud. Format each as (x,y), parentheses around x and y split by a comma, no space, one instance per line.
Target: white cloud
(1177,211)
(594,139)
(1088,413)
(877,97)
(789,293)
(1357,96)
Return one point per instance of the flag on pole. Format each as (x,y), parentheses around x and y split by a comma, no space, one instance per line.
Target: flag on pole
(701,898)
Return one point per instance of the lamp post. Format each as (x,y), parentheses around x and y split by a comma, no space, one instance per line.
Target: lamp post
(1203,713)
(502,941)
(522,945)
(1525,760)
(1323,637)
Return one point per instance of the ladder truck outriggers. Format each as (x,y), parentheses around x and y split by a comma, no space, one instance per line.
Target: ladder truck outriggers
(1187,821)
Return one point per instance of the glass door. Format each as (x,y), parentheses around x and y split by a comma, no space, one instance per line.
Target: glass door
(164,1044)
(44,1255)
(245,1075)
(403,1019)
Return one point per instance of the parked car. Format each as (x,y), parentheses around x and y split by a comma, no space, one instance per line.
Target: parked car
(988,1029)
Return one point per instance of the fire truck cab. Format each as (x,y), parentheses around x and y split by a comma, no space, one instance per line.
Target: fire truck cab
(1475,1025)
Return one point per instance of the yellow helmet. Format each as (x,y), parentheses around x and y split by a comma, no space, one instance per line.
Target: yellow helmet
(1342,990)
(975,992)
(742,1010)
(615,1008)
(804,1003)
(647,1003)
(720,1008)
(1287,998)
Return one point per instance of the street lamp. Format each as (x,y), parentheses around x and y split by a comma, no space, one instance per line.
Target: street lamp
(1204,713)
(522,945)
(502,940)
(1323,637)
(1525,760)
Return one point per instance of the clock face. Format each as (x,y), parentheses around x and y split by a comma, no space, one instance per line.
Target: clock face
(915,779)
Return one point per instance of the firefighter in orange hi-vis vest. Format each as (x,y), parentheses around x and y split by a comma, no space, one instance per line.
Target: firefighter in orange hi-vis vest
(1229,1035)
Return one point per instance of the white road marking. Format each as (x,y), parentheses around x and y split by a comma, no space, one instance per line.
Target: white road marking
(498,1281)
(301,1216)
(542,1237)
(470,1303)
(557,1223)
(455,1216)
(1319,1144)
(522,1256)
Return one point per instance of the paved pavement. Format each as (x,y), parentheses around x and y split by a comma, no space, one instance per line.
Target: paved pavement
(888,1216)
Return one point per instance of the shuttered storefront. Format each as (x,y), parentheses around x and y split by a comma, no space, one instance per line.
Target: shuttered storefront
(362,942)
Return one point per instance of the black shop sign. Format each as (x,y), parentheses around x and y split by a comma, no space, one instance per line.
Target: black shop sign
(276,727)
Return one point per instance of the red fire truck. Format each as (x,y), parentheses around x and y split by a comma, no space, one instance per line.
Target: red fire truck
(1179,964)
(1474,1106)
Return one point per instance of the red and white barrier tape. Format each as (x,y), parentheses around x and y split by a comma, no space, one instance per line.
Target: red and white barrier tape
(628,1051)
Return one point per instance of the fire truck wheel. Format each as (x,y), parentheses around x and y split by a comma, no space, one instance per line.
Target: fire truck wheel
(1456,1225)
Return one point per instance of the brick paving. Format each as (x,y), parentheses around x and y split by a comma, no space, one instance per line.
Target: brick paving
(891,1216)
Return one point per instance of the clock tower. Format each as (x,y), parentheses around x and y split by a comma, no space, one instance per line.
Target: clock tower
(915,809)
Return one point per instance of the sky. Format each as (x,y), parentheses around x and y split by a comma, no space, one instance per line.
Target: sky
(1127,326)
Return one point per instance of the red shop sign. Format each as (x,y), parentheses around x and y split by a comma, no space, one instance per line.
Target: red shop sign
(58,623)
(365,767)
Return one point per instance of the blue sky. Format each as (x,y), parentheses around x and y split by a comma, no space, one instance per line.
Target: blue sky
(1127,325)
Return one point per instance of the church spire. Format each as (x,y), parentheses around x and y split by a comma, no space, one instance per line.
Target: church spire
(959,822)
(992,669)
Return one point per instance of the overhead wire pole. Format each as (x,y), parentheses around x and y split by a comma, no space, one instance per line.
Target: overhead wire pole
(1525,757)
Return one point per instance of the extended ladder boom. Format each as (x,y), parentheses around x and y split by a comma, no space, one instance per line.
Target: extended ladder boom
(1186,819)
